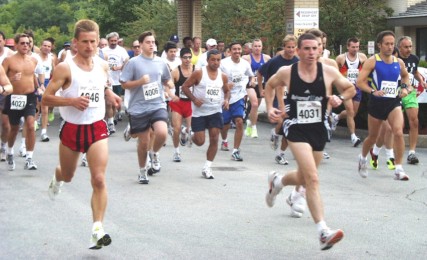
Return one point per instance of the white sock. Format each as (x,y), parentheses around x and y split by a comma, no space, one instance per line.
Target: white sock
(208,164)
(224,140)
(389,153)
(235,150)
(22,141)
(96,225)
(376,150)
(177,149)
(399,167)
(43,131)
(280,152)
(321,225)
(29,154)
(10,150)
(111,120)
(248,123)
(254,127)
(353,136)
(411,152)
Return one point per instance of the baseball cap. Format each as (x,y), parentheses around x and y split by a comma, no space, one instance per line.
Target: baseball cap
(174,38)
(67,44)
(211,42)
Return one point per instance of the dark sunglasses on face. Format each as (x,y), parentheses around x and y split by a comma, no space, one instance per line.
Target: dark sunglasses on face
(186,57)
(24,43)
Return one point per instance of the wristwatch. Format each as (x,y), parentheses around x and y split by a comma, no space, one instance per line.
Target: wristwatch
(341,97)
(373,91)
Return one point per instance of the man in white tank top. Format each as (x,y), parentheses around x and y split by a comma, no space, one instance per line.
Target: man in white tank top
(210,94)
(83,80)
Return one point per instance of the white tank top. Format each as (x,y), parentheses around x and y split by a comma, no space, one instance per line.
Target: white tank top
(86,83)
(210,92)
(47,65)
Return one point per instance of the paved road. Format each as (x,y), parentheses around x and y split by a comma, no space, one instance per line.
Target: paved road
(180,215)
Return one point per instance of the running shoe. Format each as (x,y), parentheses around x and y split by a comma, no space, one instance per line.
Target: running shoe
(51,117)
(142,176)
(84,161)
(10,162)
(99,239)
(356,141)
(45,138)
(281,159)
(248,131)
(363,167)
(412,159)
(176,157)
(236,156)
(326,155)
(111,128)
(3,154)
(254,133)
(190,139)
(119,116)
(272,189)
(170,130)
(126,133)
(296,200)
(329,237)
(274,140)
(155,164)
(184,136)
(224,146)
(30,164)
(23,151)
(400,175)
(54,188)
(207,173)
(374,160)
(36,126)
(390,164)
(334,121)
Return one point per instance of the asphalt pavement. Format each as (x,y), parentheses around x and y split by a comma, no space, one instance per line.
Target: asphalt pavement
(181,215)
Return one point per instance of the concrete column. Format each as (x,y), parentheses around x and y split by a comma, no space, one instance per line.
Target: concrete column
(189,18)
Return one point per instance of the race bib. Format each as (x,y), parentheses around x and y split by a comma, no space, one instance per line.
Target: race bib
(236,77)
(182,94)
(213,92)
(93,92)
(389,88)
(151,90)
(18,102)
(309,112)
(352,75)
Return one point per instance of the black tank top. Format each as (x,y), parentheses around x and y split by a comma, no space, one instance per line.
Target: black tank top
(305,98)
(180,82)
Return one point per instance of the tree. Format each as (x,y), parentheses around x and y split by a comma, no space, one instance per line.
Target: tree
(342,19)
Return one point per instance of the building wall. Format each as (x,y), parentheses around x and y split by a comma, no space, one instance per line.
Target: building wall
(189,18)
(400,6)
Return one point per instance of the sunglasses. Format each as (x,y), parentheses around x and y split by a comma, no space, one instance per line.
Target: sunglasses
(137,46)
(24,43)
(186,57)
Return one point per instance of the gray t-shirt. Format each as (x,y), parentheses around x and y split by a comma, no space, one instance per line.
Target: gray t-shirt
(150,96)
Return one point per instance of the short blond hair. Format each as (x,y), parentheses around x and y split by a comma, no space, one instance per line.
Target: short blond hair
(85,25)
(289,38)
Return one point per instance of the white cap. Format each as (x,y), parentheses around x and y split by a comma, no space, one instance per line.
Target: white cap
(211,42)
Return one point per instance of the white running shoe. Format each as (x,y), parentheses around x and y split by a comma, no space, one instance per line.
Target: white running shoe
(297,202)
(400,175)
(155,162)
(254,133)
(54,188)
(274,139)
(84,161)
(142,177)
(126,133)
(272,189)
(99,239)
(326,155)
(207,173)
(334,121)
(363,167)
(355,141)
(281,159)
(329,237)
(10,162)
(111,128)
(184,136)
(3,154)
(30,164)
(23,151)
(176,157)
(44,138)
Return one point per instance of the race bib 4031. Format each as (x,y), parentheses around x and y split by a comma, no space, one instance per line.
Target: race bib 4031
(309,112)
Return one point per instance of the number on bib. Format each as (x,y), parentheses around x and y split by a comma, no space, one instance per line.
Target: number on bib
(309,112)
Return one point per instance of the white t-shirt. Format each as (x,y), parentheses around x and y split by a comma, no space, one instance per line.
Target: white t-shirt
(116,57)
(238,74)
